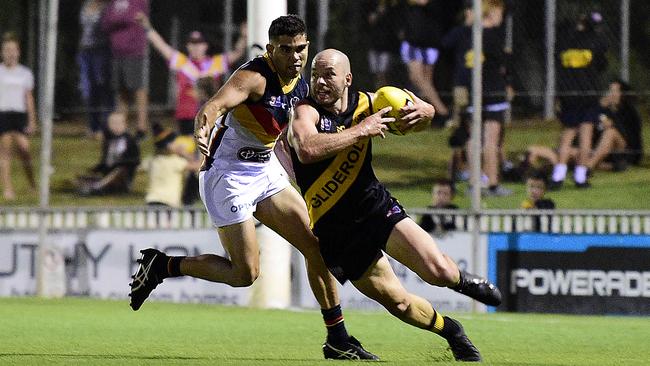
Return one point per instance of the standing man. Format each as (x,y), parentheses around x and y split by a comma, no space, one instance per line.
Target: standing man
(580,61)
(353,215)
(241,177)
(128,42)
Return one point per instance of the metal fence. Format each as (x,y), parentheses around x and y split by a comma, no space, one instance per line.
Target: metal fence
(489,221)
(344,25)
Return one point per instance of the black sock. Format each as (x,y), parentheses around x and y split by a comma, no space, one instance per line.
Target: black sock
(493,187)
(336,332)
(174,267)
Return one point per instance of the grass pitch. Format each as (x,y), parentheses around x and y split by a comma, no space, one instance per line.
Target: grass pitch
(89,332)
(408,165)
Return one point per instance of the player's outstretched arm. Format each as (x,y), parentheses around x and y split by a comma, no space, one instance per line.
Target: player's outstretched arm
(312,146)
(418,115)
(242,85)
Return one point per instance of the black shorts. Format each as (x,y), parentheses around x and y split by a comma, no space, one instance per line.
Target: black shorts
(349,251)
(573,116)
(13,122)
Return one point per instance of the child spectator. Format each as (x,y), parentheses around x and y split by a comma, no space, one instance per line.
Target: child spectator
(442,194)
(120,158)
(167,170)
(17,113)
(536,189)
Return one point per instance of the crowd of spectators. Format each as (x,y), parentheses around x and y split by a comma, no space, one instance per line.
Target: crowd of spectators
(601,130)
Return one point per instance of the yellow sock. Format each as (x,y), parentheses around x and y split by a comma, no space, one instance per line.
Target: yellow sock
(437,323)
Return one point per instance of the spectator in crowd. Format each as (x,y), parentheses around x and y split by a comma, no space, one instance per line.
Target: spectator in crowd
(580,62)
(17,114)
(420,48)
(204,89)
(535,199)
(190,68)
(94,59)
(442,196)
(167,169)
(120,158)
(617,139)
(536,189)
(495,89)
(382,36)
(453,42)
(128,41)
(619,129)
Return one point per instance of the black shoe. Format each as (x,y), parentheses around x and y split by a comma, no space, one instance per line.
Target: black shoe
(350,350)
(555,185)
(583,185)
(460,345)
(478,288)
(146,278)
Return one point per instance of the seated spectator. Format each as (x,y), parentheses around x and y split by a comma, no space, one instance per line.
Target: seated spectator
(442,195)
(167,169)
(619,130)
(120,158)
(536,189)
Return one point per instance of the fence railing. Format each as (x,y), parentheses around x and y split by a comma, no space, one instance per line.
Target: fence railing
(147,218)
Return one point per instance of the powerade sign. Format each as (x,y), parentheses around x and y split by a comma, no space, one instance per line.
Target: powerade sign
(576,274)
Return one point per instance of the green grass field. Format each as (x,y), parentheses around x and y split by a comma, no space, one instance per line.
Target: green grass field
(408,165)
(90,332)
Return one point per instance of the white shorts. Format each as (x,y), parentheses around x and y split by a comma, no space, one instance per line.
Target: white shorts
(231,196)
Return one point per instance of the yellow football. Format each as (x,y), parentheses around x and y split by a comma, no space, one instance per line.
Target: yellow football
(394,97)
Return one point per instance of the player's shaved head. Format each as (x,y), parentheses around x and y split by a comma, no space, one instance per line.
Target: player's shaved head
(334,58)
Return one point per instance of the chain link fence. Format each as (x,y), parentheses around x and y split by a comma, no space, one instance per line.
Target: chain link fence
(347,25)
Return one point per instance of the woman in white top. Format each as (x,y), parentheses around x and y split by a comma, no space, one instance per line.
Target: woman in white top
(17,113)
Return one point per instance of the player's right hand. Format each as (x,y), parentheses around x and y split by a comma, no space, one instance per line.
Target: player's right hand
(202,129)
(375,124)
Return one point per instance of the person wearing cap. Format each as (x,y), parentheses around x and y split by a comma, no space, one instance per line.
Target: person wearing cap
(191,67)
(580,62)
(167,169)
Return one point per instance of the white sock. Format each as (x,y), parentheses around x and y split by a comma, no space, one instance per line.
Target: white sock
(559,172)
(580,174)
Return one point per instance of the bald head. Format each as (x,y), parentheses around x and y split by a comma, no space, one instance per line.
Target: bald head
(334,58)
(330,79)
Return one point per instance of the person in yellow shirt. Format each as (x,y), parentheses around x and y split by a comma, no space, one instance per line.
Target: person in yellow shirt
(167,169)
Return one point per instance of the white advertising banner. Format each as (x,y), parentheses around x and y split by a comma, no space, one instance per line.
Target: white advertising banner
(18,261)
(111,260)
(100,264)
(458,245)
